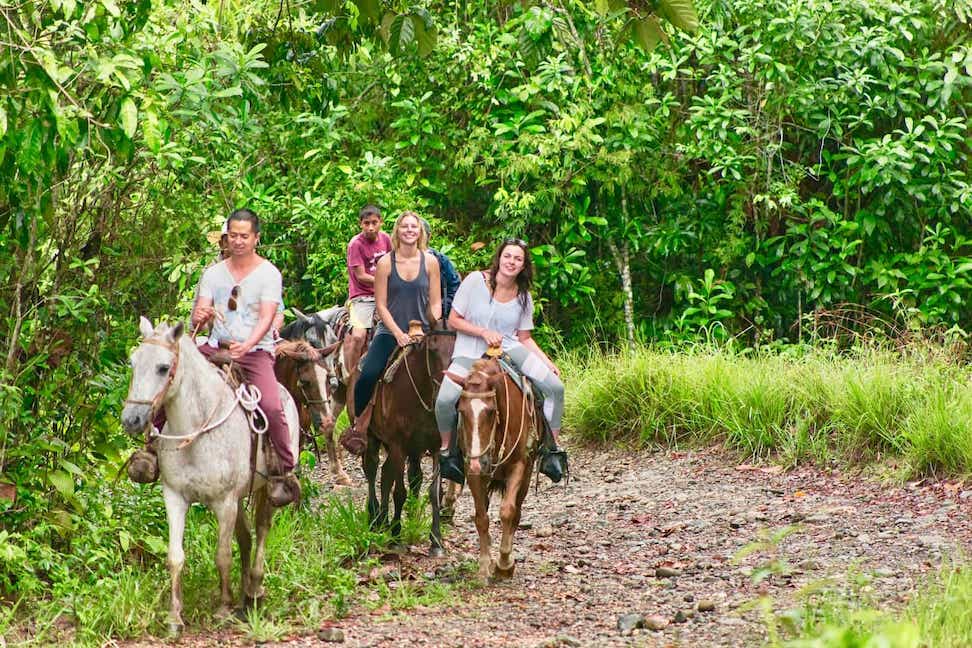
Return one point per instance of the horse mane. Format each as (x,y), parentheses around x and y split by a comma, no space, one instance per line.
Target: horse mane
(296,349)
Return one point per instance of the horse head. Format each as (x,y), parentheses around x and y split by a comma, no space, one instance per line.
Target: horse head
(154,365)
(479,416)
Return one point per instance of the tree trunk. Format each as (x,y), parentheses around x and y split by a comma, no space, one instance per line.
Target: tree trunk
(623,262)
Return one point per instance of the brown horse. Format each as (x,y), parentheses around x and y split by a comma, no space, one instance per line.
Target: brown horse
(299,369)
(403,423)
(498,435)
(323,331)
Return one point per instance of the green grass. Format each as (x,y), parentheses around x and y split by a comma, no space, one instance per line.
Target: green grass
(314,557)
(797,406)
(940,615)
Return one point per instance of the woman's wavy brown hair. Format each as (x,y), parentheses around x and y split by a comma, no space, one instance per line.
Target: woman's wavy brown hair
(524,280)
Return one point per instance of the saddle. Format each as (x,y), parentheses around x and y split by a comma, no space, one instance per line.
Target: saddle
(234,378)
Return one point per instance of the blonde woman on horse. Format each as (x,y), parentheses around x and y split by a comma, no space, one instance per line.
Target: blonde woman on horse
(407,288)
(495,308)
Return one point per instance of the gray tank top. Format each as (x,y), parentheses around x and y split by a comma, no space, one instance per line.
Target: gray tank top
(407,300)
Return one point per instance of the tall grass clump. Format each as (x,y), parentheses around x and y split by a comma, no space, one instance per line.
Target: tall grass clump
(940,615)
(802,405)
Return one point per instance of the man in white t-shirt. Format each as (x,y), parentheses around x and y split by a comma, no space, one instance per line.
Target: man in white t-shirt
(239,296)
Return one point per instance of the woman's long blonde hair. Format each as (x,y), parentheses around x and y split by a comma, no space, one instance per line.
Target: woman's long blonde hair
(423,240)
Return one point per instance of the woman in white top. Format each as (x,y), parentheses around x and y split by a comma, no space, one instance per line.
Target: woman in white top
(495,308)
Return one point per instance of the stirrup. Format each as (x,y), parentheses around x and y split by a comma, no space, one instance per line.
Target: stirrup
(353,441)
(450,466)
(143,466)
(283,490)
(553,463)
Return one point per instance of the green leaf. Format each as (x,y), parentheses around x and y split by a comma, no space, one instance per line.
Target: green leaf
(603,7)
(425,37)
(62,482)
(3,122)
(680,13)
(648,32)
(402,34)
(369,11)
(129,116)
(111,7)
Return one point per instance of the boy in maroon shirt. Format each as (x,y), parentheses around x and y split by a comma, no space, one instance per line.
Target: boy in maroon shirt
(364,250)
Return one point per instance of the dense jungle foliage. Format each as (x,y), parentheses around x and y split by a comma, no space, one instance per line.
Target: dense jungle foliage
(747,171)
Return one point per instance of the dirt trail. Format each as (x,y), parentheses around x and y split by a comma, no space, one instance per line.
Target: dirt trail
(655,535)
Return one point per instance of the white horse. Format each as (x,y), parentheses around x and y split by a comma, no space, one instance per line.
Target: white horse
(200,461)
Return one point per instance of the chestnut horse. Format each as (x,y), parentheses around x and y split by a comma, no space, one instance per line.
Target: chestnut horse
(498,435)
(403,422)
(299,369)
(323,331)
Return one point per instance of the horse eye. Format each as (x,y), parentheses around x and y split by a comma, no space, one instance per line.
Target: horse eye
(163,369)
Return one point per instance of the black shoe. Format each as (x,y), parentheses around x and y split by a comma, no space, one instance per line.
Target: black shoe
(450,466)
(553,463)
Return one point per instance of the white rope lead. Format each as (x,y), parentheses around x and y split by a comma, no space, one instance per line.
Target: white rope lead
(246,396)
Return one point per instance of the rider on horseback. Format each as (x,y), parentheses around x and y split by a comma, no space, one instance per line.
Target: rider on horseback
(406,288)
(239,296)
(491,309)
(364,251)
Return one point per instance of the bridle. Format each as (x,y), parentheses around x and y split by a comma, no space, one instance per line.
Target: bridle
(157,400)
(491,394)
(403,359)
(246,396)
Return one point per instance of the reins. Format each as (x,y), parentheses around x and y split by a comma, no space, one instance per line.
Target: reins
(246,396)
(506,421)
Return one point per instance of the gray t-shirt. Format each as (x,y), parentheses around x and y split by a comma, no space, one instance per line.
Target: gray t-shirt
(263,284)
(478,307)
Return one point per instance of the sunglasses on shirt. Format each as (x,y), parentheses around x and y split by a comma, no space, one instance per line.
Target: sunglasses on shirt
(234,295)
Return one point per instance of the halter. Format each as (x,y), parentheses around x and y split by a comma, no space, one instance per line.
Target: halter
(506,421)
(154,403)
(246,396)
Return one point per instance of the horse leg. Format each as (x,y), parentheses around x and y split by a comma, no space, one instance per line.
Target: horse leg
(452,491)
(415,476)
(334,448)
(391,471)
(516,489)
(436,549)
(263,516)
(226,518)
(176,508)
(244,538)
(400,494)
(480,497)
(369,462)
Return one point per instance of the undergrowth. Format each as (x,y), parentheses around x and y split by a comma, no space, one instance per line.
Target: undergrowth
(798,405)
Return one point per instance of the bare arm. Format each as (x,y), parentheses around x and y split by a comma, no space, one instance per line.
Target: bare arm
(526,339)
(459,323)
(435,287)
(363,277)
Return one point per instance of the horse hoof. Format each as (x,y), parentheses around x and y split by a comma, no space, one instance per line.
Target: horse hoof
(224,613)
(397,548)
(501,573)
(437,552)
(175,630)
(342,479)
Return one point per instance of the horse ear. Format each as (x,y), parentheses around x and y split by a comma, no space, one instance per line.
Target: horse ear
(300,315)
(175,332)
(145,327)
